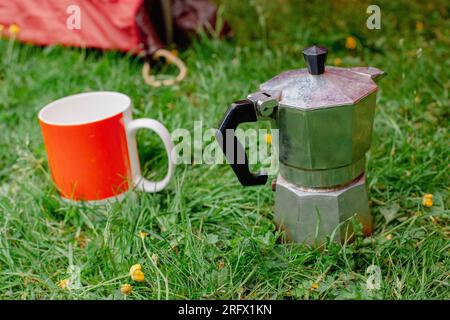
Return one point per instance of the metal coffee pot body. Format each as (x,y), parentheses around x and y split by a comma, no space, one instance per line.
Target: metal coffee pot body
(325,118)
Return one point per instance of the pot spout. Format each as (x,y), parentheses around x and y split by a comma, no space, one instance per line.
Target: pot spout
(374,73)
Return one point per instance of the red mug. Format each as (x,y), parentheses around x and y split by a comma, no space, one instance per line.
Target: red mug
(91,146)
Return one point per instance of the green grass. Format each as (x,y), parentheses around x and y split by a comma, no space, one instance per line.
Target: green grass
(214,238)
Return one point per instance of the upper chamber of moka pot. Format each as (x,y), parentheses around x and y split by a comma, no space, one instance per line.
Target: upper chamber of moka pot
(325,118)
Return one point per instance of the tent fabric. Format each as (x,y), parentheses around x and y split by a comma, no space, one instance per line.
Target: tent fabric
(104,24)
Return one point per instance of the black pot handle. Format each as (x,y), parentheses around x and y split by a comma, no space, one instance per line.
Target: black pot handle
(239,112)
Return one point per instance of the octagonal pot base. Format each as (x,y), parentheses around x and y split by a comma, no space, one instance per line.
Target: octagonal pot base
(312,217)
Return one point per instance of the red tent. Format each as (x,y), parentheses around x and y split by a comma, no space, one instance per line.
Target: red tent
(87,23)
(127,25)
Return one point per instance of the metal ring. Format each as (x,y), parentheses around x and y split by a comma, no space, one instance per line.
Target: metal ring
(170,58)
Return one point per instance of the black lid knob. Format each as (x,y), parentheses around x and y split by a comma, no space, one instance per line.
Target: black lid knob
(315,58)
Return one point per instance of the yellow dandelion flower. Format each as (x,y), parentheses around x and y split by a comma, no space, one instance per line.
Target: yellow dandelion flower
(126,288)
(143,234)
(268,138)
(314,286)
(337,61)
(134,268)
(138,276)
(350,43)
(427,200)
(419,26)
(136,273)
(64,284)
(14,29)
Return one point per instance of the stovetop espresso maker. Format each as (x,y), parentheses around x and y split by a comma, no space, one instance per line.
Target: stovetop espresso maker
(325,117)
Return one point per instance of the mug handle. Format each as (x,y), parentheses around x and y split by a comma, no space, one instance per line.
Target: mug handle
(157,127)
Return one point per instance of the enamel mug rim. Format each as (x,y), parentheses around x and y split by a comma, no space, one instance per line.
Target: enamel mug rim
(57,105)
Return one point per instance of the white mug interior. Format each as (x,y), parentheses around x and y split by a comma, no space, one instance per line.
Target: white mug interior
(84,108)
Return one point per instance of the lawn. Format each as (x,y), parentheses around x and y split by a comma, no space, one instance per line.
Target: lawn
(209,237)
